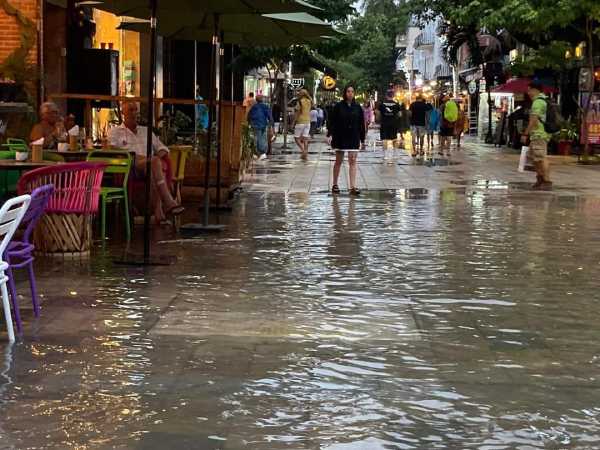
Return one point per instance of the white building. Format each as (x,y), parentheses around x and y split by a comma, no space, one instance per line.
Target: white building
(421,55)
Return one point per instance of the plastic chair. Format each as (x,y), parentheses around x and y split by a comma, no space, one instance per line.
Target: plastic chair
(11,214)
(20,251)
(18,145)
(66,226)
(178,156)
(117,162)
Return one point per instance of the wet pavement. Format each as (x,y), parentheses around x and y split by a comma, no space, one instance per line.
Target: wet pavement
(456,312)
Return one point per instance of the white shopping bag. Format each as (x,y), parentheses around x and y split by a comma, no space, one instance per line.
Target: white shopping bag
(523,158)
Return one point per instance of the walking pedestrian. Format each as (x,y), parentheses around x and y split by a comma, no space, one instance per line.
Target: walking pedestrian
(403,123)
(346,133)
(249,101)
(459,126)
(276,112)
(369,114)
(433,126)
(314,121)
(449,112)
(537,136)
(418,113)
(389,110)
(260,118)
(302,122)
(320,118)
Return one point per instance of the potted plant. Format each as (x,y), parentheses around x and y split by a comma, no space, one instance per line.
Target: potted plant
(567,135)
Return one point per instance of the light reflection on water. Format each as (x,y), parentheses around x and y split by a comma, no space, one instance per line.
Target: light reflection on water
(409,319)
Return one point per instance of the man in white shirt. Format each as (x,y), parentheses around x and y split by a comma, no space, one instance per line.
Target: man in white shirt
(129,135)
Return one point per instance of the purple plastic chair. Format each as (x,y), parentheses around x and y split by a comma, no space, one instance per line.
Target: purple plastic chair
(19,253)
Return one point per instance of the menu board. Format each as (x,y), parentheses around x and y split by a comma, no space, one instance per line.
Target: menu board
(591,132)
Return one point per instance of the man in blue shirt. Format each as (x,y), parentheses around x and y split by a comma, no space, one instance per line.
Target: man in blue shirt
(260,118)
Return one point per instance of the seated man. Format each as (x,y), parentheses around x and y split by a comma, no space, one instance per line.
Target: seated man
(47,127)
(132,137)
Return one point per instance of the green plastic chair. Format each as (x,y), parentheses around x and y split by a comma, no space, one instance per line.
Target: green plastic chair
(119,162)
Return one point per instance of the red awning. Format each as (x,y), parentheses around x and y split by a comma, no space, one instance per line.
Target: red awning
(519,86)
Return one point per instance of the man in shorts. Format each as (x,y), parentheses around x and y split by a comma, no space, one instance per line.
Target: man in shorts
(418,122)
(537,136)
(447,125)
(388,130)
(302,122)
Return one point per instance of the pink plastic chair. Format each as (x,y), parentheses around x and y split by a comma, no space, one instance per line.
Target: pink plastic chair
(66,226)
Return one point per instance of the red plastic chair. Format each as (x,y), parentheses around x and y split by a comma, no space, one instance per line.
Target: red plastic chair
(67,225)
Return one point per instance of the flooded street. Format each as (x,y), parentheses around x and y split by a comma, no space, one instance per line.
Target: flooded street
(456,318)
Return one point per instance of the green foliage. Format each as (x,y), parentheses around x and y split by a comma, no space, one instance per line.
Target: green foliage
(364,54)
(334,11)
(569,131)
(552,56)
(544,25)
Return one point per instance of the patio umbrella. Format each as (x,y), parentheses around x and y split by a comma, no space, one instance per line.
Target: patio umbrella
(195,9)
(242,29)
(268,29)
(153,10)
(280,30)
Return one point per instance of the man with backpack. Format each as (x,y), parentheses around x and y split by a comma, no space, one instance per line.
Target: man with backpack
(542,120)
(449,110)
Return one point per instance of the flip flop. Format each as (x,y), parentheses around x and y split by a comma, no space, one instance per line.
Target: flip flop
(176,210)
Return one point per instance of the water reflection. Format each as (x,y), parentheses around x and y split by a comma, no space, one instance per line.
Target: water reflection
(400,319)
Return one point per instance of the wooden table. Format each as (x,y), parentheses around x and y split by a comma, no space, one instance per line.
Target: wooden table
(12,164)
(71,156)
(20,166)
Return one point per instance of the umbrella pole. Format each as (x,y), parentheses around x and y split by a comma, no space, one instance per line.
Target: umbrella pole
(129,258)
(193,229)
(220,81)
(211,118)
(195,95)
(150,120)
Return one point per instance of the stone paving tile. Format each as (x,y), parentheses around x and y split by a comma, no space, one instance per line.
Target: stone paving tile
(475,162)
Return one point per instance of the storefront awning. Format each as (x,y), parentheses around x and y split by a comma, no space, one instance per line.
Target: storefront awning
(519,86)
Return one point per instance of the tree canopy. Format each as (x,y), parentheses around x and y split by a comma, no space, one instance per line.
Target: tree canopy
(363,54)
(547,27)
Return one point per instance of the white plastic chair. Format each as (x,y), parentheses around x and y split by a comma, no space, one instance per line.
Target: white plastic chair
(11,214)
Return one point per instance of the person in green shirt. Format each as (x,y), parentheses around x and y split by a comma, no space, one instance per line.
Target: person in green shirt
(537,136)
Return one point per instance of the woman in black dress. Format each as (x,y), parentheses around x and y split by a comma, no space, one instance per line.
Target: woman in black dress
(347,134)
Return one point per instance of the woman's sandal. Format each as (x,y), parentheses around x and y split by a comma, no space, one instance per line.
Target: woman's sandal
(335,189)
(176,210)
(354,191)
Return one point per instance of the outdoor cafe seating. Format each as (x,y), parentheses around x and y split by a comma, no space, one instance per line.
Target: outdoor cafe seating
(67,226)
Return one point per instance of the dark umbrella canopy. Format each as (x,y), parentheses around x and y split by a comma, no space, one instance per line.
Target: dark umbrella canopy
(196,9)
(241,29)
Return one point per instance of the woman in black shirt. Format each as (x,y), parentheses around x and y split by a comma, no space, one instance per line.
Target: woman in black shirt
(347,134)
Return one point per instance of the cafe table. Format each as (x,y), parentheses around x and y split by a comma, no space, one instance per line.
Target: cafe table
(20,167)
(81,154)
(12,164)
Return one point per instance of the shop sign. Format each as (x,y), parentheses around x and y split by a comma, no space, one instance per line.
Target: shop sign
(328,83)
(297,83)
(592,134)
(474,76)
(472,87)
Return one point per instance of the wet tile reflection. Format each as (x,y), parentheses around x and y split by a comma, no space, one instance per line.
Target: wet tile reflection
(463,318)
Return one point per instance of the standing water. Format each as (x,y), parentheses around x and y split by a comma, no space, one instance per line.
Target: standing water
(399,320)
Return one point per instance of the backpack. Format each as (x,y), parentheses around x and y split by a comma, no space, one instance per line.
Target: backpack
(451,111)
(553,117)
